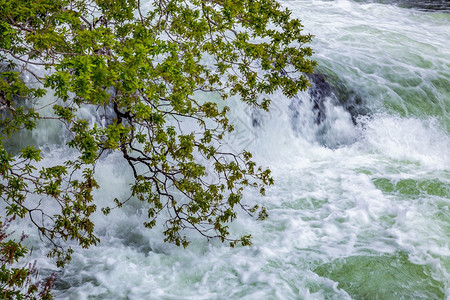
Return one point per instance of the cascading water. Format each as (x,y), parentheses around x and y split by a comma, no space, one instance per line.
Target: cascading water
(360,206)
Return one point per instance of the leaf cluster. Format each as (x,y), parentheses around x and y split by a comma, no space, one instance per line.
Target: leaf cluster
(145,69)
(19,282)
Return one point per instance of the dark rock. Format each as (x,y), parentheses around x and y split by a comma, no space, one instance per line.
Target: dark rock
(333,90)
(320,90)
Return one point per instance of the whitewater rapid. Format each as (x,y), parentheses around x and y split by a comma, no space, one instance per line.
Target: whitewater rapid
(360,207)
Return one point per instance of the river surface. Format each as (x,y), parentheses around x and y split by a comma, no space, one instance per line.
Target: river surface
(360,208)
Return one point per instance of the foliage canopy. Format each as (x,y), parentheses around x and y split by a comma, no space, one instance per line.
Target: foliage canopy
(143,65)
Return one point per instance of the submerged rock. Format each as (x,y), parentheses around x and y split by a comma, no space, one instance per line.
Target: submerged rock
(327,112)
(320,89)
(336,92)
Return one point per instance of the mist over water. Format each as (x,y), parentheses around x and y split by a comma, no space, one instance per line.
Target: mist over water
(361,203)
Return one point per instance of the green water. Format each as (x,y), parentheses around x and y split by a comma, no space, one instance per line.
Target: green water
(383,277)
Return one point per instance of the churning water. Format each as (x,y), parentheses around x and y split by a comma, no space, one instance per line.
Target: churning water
(361,203)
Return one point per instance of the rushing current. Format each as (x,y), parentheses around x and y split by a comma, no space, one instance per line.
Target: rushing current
(360,208)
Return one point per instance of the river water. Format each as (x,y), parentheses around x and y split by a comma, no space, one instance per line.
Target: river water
(360,205)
